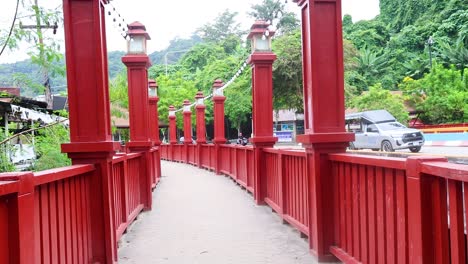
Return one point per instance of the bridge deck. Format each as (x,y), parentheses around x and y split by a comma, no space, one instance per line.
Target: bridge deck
(199,217)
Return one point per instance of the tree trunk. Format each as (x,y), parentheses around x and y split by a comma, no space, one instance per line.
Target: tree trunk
(42,59)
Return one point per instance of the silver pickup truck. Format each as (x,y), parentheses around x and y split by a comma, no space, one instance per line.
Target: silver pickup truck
(379,130)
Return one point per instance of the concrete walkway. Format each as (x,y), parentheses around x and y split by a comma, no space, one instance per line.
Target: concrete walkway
(199,217)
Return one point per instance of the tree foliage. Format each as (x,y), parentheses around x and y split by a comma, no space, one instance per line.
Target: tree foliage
(379,98)
(274,12)
(441,95)
(47,147)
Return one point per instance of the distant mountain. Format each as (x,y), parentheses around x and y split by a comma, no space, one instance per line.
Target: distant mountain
(10,73)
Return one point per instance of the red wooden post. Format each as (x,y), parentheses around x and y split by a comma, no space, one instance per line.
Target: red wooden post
(322,51)
(218,99)
(261,61)
(421,244)
(154,125)
(201,128)
(21,219)
(137,62)
(153,110)
(187,128)
(172,131)
(90,128)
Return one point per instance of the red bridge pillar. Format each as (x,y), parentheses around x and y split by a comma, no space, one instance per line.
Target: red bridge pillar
(187,128)
(172,131)
(137,62)
(261,61)
(201,127)
(154,127)
(218,99)
(322,50)
(90,126)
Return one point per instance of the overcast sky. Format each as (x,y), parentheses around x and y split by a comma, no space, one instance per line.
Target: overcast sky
(165,20)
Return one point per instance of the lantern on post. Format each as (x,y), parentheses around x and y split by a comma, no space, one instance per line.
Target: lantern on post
(260,36)
(152,88)
(187,122)
(136,43)
(172,125)
(200,112)
(261,61)
(153,108)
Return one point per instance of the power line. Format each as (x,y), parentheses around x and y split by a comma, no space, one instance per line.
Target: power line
(11,28)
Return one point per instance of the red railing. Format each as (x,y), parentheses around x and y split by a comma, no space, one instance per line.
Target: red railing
(370,208)
(192,159)
(57,216)
(390,210)
(207,152)
(287,186)
(46,216)
(385,210)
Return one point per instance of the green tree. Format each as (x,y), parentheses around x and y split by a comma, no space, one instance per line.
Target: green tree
(287,72)
(173,90)
(223,27)
(378,98)
(442,95)
(47,147)
(5,163)
(45,51)
(274,12)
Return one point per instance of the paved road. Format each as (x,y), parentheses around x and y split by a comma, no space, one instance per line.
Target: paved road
(199,217)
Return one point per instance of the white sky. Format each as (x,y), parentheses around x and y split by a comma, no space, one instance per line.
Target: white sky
(165,19)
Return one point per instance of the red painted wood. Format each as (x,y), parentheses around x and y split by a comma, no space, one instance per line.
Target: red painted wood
(457,234)
(363,214)
(153,119)
(137,75)
(4,230)
(61,240)
(52,197)
(381,215)
(67,212)
(371,188)
(401,217)
(200,120)
(440,223)
(390,216)
(187,123)
(343,256)
(446,170)
(57,174)
(218,112)
(355,206)
(342,204)
(383,162)
(87,73)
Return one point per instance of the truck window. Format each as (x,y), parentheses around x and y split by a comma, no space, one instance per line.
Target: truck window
(372,128)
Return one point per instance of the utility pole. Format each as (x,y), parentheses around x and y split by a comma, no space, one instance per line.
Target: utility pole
(40,45)
(176,51)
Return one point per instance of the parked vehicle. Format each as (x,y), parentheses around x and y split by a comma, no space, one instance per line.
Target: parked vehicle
(379,130)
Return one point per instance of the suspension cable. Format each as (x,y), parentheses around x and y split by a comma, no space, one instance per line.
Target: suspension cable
(226,85)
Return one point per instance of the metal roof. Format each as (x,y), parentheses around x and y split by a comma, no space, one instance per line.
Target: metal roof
(374,116)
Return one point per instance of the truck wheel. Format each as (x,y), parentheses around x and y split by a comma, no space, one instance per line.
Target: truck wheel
(415,149)
(387,146)
(351,146)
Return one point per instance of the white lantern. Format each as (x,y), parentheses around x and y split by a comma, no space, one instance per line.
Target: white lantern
(152,88)
(260,36)
(138,37)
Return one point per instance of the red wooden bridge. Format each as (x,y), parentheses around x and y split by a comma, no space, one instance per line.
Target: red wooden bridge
(352,208)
